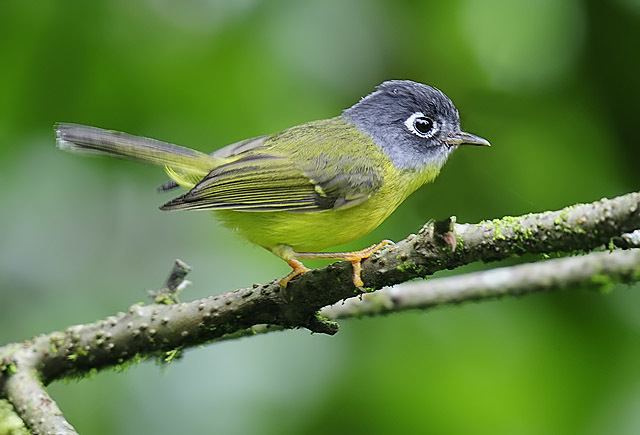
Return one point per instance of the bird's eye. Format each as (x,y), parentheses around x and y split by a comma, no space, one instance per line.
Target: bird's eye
(421,125)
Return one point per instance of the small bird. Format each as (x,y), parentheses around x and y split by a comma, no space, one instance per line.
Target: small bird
(312,186)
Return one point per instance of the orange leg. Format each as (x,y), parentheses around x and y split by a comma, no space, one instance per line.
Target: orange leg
(355,258)
(298,269)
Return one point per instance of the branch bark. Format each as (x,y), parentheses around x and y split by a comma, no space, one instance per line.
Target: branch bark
(36,408)
(151,330)
(599,270)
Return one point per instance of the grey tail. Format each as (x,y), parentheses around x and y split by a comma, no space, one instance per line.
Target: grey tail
(93,140)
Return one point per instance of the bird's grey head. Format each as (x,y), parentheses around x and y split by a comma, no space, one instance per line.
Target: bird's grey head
(415,125)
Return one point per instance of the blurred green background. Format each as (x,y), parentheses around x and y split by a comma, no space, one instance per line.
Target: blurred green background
(553,84)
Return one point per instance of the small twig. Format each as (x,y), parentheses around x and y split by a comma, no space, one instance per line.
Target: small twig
(599,270)
(176,281)
(174,284)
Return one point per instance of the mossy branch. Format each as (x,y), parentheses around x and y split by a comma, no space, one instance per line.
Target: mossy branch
(598,270)
(152,330)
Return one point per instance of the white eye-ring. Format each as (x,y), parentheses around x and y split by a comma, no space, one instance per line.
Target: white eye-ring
(421,125)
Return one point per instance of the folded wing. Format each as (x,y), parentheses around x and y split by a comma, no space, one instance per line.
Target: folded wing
(261,181)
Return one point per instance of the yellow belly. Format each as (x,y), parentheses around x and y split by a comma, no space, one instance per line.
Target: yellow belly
(305,231)
(317,231)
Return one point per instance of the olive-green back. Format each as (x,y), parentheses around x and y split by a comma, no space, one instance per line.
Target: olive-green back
(317,166)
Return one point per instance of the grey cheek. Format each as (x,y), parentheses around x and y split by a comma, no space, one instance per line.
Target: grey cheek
(414,155)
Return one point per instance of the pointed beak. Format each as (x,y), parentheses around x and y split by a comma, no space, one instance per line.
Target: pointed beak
(464,138)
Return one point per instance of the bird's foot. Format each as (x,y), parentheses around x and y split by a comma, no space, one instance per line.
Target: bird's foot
(355,258)
(298,269)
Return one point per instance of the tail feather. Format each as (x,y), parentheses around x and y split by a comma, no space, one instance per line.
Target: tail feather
(93,140)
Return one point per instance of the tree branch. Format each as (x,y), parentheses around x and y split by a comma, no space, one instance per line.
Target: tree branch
(35,406)
(22,387)
(152,330)
(598,270)
(146,330)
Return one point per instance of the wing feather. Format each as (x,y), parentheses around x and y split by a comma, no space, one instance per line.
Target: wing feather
(227,152)
(274,173)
